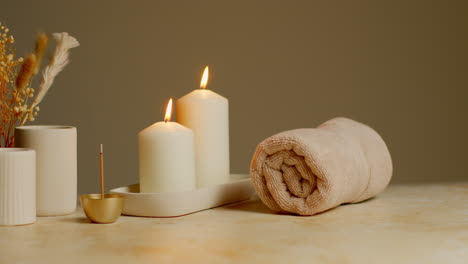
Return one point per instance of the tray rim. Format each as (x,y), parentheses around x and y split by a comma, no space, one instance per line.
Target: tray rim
(241,177)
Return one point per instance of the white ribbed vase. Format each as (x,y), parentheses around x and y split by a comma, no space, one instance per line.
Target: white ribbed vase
(17,186)
(56,152)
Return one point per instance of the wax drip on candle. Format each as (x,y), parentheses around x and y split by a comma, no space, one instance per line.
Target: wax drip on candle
(204,79)
(168,115)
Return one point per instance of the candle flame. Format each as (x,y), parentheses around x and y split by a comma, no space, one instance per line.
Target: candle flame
(168,115)
(204,79)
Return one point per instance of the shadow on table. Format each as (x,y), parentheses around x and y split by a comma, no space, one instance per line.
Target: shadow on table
(253,205)
(77,220)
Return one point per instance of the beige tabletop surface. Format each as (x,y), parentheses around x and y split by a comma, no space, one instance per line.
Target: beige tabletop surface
(405,224)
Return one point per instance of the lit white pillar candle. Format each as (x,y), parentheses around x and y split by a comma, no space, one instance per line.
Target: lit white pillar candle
(207,114)
(166,156)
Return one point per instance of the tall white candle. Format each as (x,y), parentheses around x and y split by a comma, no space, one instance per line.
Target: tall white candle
(166,157)
(207,114)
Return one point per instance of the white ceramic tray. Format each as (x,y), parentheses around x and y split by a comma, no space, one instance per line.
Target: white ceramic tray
(174,204)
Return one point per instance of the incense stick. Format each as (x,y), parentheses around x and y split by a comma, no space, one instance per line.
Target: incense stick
(101,165)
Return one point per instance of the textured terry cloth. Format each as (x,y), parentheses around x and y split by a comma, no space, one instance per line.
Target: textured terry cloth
(310,170)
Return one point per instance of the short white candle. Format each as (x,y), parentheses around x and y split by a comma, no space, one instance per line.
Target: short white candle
(207,114)
(166,157)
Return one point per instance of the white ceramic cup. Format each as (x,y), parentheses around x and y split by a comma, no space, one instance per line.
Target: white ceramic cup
(17,186)
(56,150)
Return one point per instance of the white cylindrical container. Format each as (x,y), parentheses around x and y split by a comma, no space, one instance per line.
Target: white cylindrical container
(17,186)
(166,158)
(56,150)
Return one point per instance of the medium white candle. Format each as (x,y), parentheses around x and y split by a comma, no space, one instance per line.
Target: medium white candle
(166,157)
(207,114)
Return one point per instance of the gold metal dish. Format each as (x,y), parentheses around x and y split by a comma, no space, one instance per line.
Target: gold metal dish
(103,211)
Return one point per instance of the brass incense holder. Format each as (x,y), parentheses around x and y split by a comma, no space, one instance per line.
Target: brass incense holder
(102,208)
(103,211)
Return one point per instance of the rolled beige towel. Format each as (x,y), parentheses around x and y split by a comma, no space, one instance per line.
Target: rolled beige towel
(310,170)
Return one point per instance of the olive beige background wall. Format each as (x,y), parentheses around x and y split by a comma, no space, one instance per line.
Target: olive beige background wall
(399,66)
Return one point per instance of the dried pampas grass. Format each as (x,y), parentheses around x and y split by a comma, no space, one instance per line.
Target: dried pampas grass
(41,47)
(26,72)
(16,77)
(59,60)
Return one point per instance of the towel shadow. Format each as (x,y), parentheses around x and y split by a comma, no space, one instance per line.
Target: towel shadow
(253,205)
(364,201)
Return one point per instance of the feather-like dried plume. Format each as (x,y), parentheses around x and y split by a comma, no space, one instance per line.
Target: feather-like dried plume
(59,60)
